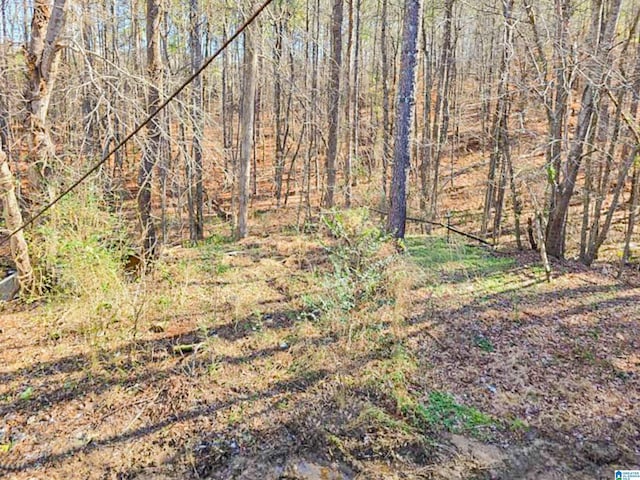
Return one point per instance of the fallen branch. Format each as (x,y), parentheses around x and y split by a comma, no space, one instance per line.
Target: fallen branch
(438,224)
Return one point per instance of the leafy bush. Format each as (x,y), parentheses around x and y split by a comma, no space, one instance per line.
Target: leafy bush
(78,254)
(359,256)
(80,247)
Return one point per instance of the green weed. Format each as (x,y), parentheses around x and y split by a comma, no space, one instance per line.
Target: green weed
(443,412)
(483,343)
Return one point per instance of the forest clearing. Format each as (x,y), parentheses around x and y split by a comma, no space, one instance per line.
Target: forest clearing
(319,239)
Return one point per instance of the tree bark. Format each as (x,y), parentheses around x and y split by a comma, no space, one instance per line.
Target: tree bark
(246,130)
(194,164)
(386,101)
(335,66)
(13,221)
(405,109)
(152,146)
(556,230)
(43,60)
(440,123)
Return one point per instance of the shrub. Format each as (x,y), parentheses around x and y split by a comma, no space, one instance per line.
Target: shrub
(78,254)
(368,281)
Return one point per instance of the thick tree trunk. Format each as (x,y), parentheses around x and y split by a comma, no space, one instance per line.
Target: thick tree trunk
(405,109)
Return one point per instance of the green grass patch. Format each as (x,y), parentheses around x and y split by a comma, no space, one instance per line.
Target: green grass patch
(442,412)
(438,255)
(483,343)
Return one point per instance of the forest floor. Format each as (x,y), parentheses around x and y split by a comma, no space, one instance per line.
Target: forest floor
(269,358)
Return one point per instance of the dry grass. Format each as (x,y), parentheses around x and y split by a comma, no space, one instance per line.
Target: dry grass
(289,351)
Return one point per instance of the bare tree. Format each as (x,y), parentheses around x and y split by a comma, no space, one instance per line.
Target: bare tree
(194,164)
(43,61)
(405,109)
(386,102)
(335,65)
(152,147)
(596,74)
(246,130)
(13,221)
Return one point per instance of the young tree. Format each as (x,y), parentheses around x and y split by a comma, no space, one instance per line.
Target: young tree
(405,107)
(386,107)
(194,164)
(603,33)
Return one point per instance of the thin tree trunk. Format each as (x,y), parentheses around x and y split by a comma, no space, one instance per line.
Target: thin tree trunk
(13,221)
(441,118)
(386,101)
(246,130)
(152,147)
(335,66)
(280,140)
(349,109)
(556,229)
(633,213)
(195,188)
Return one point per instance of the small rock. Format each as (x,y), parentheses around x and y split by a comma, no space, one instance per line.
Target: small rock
(9,287)
(284,345)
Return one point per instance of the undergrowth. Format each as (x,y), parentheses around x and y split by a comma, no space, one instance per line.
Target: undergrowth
(366,273)
(79,253)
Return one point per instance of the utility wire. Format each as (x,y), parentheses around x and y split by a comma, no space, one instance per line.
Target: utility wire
(106,157)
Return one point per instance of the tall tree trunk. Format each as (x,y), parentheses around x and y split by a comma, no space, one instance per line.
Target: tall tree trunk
(195,188)
(43,60)
(386,101)
(405,109)
(246,130)
(425,143)
(152,146)
(280,140)
(500,165)
(335,66)
(348,113)
(598,233)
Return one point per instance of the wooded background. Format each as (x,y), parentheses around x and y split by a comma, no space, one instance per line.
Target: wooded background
(538,100)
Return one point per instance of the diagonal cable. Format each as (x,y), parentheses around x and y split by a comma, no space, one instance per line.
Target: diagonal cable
(140,126)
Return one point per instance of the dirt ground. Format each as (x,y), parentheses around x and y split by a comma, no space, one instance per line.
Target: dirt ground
(474,367)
